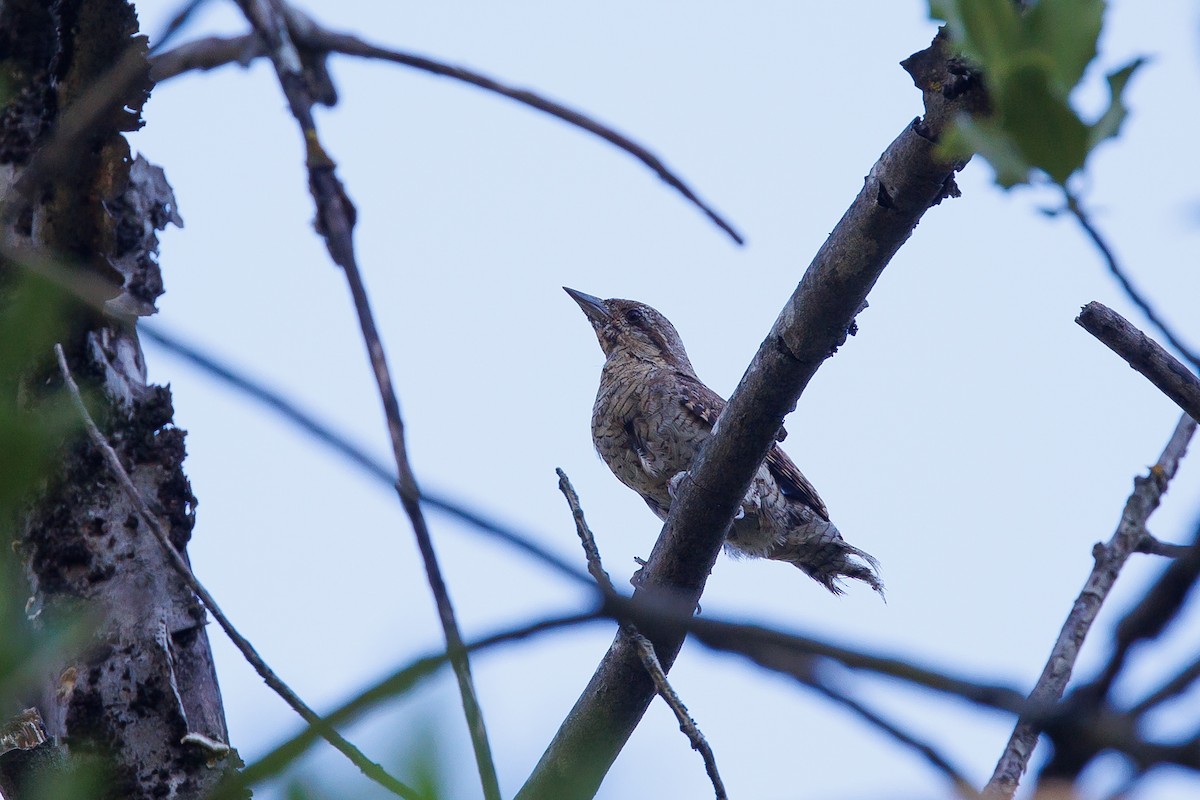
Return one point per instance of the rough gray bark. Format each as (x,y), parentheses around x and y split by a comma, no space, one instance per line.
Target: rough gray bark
(144,679)
(1145,355)
(908,179)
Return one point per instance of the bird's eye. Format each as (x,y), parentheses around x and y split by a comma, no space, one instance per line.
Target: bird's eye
(635,316)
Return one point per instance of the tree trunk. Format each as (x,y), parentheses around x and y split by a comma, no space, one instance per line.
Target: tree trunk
(128,697)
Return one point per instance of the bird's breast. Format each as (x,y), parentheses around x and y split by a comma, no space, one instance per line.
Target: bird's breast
(636,427)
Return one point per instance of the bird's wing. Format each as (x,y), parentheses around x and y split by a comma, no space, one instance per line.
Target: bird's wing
(792,482)
(707,406)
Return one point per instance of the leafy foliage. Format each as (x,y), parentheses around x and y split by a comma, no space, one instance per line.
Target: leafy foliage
(1031,63)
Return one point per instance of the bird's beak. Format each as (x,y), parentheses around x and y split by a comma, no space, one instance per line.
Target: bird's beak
(594,307)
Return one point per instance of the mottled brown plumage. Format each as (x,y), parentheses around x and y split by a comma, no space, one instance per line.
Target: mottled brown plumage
(652,414)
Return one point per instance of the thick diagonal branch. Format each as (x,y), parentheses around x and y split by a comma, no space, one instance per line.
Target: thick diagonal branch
(907,180)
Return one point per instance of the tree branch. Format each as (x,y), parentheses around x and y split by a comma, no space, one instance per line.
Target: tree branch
(1110,259)
(907,180)
(1145,355)
(213,52)
(1109,558)
(645,647)
(335,222)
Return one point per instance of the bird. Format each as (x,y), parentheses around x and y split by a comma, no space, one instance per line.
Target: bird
(652,414)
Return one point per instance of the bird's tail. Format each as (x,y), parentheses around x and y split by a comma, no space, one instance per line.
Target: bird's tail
(817,547)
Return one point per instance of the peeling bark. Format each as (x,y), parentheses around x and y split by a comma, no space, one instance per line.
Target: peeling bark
(144,680)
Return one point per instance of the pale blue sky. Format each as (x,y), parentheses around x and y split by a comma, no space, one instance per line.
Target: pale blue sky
(972,437)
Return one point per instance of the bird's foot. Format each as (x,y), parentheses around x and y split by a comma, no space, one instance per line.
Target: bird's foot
(674,482)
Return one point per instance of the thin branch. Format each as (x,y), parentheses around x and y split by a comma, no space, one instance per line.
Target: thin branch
(686,724)
(206,54)
(1109,559)
(908,179)
(335,222)
(1153,547)
(320,726)
(645,647)
(586,538)
(398,683)
(1131,291)
(1145,355)
(798,656)
(962,786)
(290,411)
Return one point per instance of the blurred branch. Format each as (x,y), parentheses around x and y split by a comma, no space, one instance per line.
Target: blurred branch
(797,656)
(212,52)
(1172,688)
(320,727)
(322,432)
(908,179)
(1131,291)
(398,683)
(645,647)
(1109,559)
(962,787)
(1144,354)
(335,223)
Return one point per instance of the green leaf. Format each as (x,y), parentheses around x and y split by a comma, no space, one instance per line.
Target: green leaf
(1041,122)
(987,30)
(990,141)
(1066,31)
(1110,121)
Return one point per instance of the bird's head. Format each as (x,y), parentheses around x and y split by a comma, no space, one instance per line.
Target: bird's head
(630,328)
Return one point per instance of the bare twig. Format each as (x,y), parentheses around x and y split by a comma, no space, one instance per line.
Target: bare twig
(1109,558)
(586,538)
(214,52)
(1145,355)
(324,433)
(1153,547)
(962,787)
(335,222)
(1131,291)
(908,179)
(320,726)
(672,699)
(645,647)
